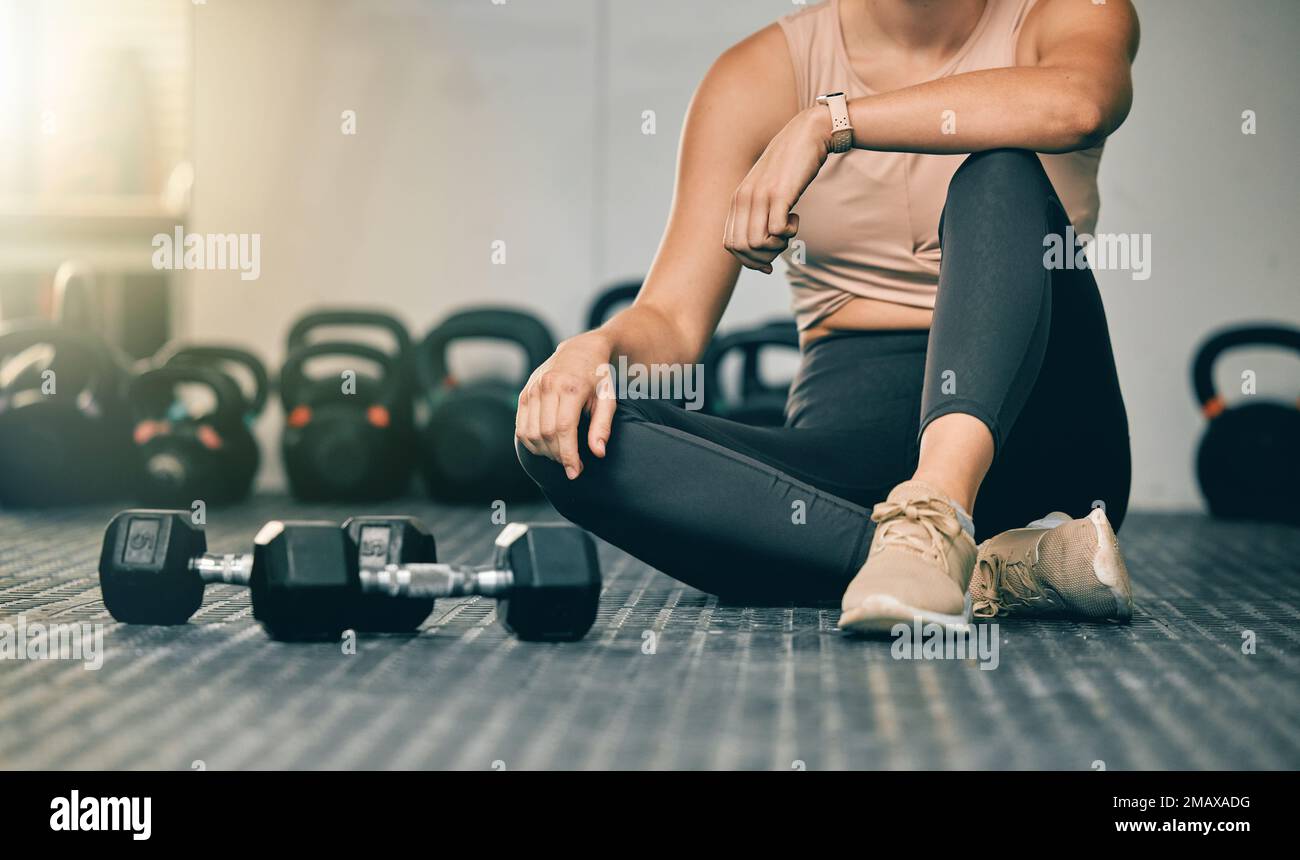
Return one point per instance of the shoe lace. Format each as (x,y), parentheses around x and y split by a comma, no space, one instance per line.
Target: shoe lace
(1001,582)
(938,528)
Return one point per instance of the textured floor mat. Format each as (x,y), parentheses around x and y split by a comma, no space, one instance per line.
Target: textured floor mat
(668,678)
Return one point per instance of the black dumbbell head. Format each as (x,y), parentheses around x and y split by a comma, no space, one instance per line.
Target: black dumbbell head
(304,580)
(382,541)
(144,567)
(556,575)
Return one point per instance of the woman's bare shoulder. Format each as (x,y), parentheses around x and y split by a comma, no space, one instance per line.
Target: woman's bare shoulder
(757,73)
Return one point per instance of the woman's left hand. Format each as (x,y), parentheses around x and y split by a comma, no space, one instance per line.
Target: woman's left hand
(760,224)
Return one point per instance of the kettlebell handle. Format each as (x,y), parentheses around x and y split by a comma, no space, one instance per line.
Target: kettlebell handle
(293,375)
(210,355)
(76,298)
(165,379)
(352,318)
(1212,404)
(483,323)
(80,361)
(750,342)
(622,293)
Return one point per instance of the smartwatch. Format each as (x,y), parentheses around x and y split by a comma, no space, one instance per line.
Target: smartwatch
(841,131)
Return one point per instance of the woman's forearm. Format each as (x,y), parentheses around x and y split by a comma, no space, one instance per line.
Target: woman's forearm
(644,335)
(1072,89)
(1024,107)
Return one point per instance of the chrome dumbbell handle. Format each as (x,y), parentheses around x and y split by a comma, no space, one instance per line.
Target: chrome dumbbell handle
(436,580)
(447,580)
(230,568)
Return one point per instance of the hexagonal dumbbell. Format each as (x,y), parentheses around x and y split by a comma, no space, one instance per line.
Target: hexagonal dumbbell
(154,565)
(545,576)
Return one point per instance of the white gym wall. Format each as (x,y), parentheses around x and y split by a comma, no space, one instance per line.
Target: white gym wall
(523,122)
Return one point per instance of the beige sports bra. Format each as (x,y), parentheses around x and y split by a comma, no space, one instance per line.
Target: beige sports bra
(869,222)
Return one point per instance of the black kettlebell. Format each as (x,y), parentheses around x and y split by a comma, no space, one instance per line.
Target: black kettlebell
(349,447)
(467,452)
(225,359)
(358,319)
(759,404)
(611,300)
(181,456)
(346,440)
(212,458)
(64,428)
(1248,463)
(76,297)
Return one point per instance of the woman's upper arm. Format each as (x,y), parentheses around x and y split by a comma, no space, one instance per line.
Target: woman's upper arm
(1096,44)
(747,96)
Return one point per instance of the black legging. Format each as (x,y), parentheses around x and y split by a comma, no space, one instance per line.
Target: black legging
(781,513)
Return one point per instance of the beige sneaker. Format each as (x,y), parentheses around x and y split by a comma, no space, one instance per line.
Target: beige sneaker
(1054,566)
(918,567)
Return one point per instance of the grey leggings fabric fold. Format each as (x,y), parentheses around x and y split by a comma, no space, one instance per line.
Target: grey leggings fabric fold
(781,513)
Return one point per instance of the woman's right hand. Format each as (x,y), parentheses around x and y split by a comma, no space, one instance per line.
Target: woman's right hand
(574,380)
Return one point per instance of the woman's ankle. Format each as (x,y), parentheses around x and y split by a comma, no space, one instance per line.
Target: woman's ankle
(958,492)
(962,498)
(956,452)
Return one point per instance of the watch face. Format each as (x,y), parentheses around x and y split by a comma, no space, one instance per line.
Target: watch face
(823,98)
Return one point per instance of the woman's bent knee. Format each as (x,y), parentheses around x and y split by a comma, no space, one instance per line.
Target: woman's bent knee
(541,469)
(999,168)
(602,480)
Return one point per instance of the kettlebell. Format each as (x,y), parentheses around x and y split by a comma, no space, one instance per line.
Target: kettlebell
(224,358)
(350,444)
(611,300)
(759,404)
(348,447)
(64,428)
(183,457)
(1248,462)
(467,450)
(365,319)
(76,297)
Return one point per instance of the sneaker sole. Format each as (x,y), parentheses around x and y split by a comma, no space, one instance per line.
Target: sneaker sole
(1108,566)
(879,613)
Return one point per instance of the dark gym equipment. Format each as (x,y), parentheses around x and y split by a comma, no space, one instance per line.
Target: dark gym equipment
(225,358)
(467,450)
(303,331)
(610,300)
(64,428)
(313,580)
(211,457)
(347,446)
(545,576)
(381,541)
(76,307)
(154,565)
(759,403)
(1248,463)
(76,298)
(64,425)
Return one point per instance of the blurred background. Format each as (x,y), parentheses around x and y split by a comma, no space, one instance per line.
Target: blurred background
(523,152)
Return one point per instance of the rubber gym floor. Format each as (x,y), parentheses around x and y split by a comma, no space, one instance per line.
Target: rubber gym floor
(1205,677)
